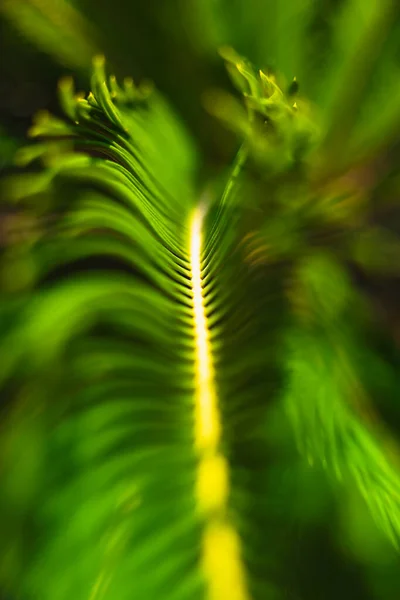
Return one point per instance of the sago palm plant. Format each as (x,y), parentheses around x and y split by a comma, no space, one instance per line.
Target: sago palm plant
(173,348)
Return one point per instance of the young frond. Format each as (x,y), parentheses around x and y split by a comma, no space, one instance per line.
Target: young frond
(153,352)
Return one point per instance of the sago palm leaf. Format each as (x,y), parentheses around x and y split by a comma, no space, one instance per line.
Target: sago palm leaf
(144,366)
(154,326)
(316,221)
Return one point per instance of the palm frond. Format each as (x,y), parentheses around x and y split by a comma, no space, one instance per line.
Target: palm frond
(156,326)
(335,423)
(141,343)
(300,225)
(119,344)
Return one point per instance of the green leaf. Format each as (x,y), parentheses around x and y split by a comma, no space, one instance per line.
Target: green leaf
(334,423)
(150,367)
(157,327)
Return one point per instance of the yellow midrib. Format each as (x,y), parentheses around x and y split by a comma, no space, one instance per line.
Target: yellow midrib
(221,546)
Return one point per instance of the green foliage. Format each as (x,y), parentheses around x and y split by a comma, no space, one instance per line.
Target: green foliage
(101,340)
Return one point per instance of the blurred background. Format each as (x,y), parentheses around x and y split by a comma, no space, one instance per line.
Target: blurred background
(175,44)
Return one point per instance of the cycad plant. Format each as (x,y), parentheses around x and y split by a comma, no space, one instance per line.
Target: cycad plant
(192,379)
